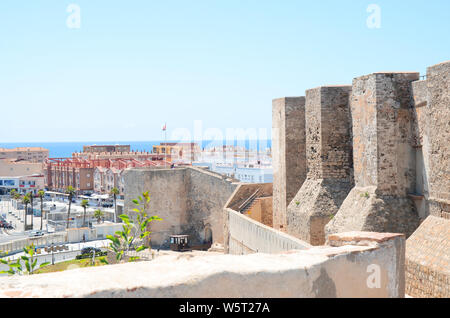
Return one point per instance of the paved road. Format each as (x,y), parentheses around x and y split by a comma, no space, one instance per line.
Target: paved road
(17,232)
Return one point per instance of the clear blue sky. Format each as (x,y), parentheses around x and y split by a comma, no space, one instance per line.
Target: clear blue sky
(134,65)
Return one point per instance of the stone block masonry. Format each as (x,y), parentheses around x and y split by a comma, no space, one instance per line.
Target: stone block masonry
(329,161)
(384,159)
(288,155)
(438,85)
(428,259)
(189,200)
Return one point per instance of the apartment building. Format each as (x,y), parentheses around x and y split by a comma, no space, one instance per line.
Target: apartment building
(187,152)
(31,154)
(19,167)
(91,175)
(106,148)
(22,184)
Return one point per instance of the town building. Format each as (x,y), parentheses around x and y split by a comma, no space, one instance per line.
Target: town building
(106,148)
(31,154)
(81,173)
(246,173)
(22,184)
(19,167)
(176,152)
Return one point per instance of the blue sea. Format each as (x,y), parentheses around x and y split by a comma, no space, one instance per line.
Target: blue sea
(65,149)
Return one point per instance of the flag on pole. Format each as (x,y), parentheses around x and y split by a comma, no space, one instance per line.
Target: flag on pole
(164,127)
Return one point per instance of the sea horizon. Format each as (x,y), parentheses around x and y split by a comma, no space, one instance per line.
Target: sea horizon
(63,149)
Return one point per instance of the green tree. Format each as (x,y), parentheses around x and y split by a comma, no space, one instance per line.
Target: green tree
(71,192)
(115,192)
(98,214)
(84,205)
(32,211)
(123,241)
(17,196)
(13,194)
(41,195)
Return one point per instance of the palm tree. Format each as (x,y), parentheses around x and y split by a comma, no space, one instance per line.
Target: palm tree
(41,195)
(13,193)
(26,201)
(84,204)
(114,193)
(17,196)
(32,211)
(98,214)
(71,192)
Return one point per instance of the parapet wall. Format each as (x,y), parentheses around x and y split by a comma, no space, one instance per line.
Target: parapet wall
(247,236)
(358,265)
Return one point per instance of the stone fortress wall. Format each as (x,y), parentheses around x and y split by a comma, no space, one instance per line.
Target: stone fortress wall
(189,200)
(384,168)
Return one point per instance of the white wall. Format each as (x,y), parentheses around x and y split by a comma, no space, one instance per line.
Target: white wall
(248,236)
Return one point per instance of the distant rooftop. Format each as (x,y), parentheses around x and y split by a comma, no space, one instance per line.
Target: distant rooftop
(23,149)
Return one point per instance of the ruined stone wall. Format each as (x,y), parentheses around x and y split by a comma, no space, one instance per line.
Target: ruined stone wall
(206,196)
(168,199)
(288,154)
(384,159)
(261,211)
(189,200)
(329,161)
(438,84)
(427,250)
(420,142)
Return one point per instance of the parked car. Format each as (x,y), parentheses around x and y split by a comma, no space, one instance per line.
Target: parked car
(36,233)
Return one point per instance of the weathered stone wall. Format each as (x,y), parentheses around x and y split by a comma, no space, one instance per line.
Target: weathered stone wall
(428,259)
(187,199)
(206,197)
(168,199)
(420,142)
(261,211)
(325,272)
(384,159)
(438,84)
(288,154)
(245,190)
(427,253)
(329,161)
